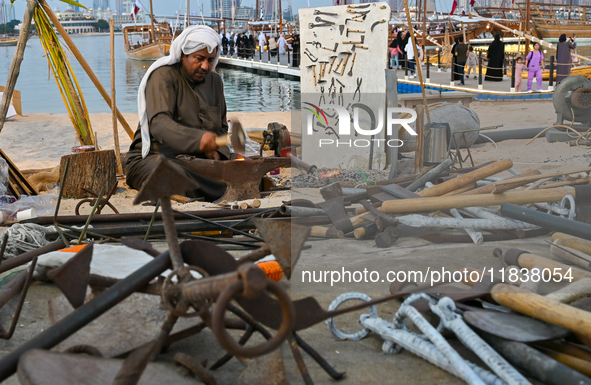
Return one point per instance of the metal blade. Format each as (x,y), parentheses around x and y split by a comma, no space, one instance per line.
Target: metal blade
(73,276)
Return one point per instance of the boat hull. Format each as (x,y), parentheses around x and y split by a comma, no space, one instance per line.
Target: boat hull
(152,51)
(8,43)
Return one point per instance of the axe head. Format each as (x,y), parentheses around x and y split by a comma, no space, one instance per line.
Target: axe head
(285,241)
(73,276)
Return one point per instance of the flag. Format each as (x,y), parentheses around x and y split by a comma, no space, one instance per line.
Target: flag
(474,1)
(453,7)
(136,9)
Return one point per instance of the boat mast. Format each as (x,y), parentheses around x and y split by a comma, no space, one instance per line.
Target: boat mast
(152,20)
(281,19)
(188,23)
(527,31)
(425,27)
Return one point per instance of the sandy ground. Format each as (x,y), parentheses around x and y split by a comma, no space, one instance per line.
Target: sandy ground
(39,140)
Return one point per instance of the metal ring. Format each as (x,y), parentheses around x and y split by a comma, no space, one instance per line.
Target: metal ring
(338,301)
(568,204)
(225,339)
(168,300)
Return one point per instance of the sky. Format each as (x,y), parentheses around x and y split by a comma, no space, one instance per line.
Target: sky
(168,7)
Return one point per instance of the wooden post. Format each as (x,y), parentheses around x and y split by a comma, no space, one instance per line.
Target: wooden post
(113,105)
(418,65)
(189,13)
(15,66)
(479,69)
(420,126)
(152,21)
(513,75)
(84,64)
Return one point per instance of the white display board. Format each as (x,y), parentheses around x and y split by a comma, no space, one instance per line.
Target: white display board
(344,53)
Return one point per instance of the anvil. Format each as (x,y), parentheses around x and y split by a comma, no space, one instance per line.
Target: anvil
(243,177)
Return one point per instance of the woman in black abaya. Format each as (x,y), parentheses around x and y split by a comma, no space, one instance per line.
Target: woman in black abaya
(496,57)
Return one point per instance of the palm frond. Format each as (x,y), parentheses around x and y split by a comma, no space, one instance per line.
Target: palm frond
(64,76)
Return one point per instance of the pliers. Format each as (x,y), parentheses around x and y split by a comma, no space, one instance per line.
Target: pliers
(358,89)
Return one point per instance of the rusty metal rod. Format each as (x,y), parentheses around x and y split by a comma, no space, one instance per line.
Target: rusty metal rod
(29,255)
(158,228)
(19,307)
(318,358)
(11,288)
(86,313)
(134,217)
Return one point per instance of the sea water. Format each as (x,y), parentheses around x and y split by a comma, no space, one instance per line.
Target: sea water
(245,92)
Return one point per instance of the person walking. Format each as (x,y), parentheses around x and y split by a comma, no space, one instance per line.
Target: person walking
(410,56)
(472,62)
(519,67)
(461,54)
(393,48)
(496,57)
(563,57)
(534,62)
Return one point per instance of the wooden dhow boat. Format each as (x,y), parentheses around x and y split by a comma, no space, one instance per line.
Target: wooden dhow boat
(147,41)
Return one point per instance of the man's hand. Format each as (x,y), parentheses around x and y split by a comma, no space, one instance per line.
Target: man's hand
(213,155)
(207,143)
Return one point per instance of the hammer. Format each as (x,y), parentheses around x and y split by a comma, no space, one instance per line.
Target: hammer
(356,42)
(345,63)
(331,63)
(352,64)
(353,30)
(237,139)
(322,68)
(334,49)
(313,72)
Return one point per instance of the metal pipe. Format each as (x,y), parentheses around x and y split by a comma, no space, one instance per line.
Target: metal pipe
(299,211)
(353,191)
(86,313)
(499,136)
(158,228)
(416,220)
(554,223)
(431,174)
(534,363)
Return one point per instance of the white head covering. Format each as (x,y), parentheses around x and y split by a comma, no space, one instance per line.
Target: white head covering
(192,39)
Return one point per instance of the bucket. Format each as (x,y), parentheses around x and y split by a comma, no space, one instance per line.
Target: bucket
(435,146)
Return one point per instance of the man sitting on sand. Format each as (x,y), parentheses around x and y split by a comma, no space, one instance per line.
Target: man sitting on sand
(182,110)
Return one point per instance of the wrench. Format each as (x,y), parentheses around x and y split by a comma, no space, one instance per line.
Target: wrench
(312,25)
(321,20)
(313,58)
(317,12)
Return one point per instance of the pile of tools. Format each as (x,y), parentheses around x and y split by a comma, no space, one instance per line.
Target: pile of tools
(516,331)
(465,199)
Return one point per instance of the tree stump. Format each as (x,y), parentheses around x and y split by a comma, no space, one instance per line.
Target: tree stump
(92,170)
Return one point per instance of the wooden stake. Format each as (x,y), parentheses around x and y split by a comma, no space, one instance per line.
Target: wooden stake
(459,201)
(113,105)
(15,66)
(420,126)
(466,179)
(84,64)
(417,64)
